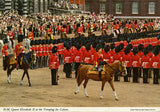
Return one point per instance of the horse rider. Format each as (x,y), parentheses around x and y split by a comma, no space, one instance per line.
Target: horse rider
(10,34)
(98,59)
(19,50)
(5,52)
(54,65)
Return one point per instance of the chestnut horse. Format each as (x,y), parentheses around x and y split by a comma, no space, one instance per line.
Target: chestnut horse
(26,62)
(109,71)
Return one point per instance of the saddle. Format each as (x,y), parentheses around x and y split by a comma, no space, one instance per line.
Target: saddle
(94,71)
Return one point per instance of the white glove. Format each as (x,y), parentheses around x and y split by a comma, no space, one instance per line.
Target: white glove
(3,55)
(96,66)
(15,57)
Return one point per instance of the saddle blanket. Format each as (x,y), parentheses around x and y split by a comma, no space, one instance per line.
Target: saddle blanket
(12,61)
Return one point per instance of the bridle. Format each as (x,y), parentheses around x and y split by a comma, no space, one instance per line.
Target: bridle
(117,71)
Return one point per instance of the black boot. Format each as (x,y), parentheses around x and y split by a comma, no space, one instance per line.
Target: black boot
(100,75)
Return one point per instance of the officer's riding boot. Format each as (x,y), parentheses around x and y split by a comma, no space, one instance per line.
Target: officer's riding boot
(100,75)
(126,78)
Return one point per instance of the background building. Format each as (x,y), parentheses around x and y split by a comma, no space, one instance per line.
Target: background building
(124,7)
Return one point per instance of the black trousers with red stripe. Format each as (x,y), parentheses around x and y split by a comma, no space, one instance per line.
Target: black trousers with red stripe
(54,77)
(155,76)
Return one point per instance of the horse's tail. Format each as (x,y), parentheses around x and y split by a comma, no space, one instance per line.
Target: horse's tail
(78,73)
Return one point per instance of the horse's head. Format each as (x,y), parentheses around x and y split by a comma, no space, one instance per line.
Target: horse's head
(122,68)
(33,56)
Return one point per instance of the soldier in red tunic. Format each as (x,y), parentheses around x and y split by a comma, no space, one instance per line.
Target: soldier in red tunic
(32,49)
(54,65)
(117,57)
(145,64)
(140,54)
(156,65)
(40,54)
(128,62)
(77,57)
(5,52)
(68,58)
(87,55)
(106,55)
(135,65)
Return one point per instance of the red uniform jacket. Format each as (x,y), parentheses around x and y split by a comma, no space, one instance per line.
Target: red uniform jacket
(20,31)
(128,60)
(145,62)
(5,50)
(98,57)
(117,57)
(46,50)
(40,51)
(78,56)
(31,36)
(60,48)
(67,56)
(49,30)
(107,57)
(18,49)
(53,62)
(155,62)
(32,48)
(50,50)
(87,57)
(136,61)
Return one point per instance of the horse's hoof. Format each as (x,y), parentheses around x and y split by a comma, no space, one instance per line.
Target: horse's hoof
(9,82)
(116,99)
(30,85)
(101,97)
(75,92)
(87,96)
(21,84)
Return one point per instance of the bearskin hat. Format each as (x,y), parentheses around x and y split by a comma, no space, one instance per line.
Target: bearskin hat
(156,50)
(88,47)
(5,40)
(140,47)
(106,48)
(112,46)
(145,51)
(135,50)
(117,49)
(54,49)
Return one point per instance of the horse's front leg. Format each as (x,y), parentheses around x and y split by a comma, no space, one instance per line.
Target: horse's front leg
(114,92)
(102,88)
(85,84)
(9,76)
(21,83)
(30,85)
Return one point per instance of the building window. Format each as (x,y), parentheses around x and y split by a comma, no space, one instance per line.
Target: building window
(135,8)
(151,8)
(39,6)
(102,7)
(119,8)
(44,5)
(87,7)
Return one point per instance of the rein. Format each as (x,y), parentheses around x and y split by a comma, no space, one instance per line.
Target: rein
(117,71)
